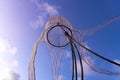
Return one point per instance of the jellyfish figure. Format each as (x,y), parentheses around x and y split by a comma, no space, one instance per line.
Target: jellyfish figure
(58,35)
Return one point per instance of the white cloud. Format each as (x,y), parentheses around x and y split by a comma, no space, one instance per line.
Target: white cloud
(49,9)
(12,76)
(7,65)
(6,70)
(45,11)
(15,63)
(39,22)
(6,47)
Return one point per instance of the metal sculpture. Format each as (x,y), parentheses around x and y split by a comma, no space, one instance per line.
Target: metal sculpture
(58,35)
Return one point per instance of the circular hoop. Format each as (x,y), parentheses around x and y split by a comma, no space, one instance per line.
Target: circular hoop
(64,29)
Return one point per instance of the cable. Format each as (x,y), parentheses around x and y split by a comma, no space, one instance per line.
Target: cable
(81,64)
(74,64)
(96,54)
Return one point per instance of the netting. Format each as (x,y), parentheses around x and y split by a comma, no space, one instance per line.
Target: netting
(59,35)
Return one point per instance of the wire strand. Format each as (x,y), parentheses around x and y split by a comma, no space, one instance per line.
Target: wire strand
(81,64)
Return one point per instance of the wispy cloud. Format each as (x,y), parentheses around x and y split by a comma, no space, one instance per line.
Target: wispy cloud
(46,10)
(7,65)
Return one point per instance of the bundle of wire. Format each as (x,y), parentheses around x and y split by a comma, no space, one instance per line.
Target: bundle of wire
(58,35)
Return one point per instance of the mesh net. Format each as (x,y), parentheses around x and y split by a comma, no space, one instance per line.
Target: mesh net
(57,35)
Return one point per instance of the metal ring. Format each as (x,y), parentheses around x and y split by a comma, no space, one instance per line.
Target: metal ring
(62,26)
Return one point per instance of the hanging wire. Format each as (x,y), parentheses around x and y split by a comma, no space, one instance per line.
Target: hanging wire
(74,62)
(96,54)
(81,64)
(58,35)
(95,68)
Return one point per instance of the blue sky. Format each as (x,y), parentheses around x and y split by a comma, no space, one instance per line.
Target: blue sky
(22,21)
